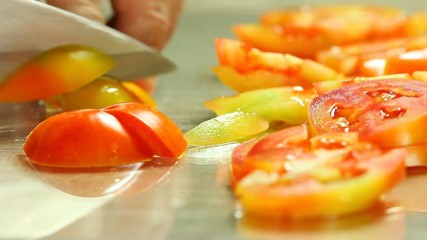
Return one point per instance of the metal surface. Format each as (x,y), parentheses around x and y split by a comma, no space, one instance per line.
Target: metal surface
(189,200)
(37,26)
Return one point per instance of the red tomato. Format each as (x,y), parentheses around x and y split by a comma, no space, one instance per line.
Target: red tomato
(289,175)
(388,112)
(53,72)
(117,135)
(151,127)
(245,68)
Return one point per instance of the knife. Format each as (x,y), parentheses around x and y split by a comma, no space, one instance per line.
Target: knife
(28,27)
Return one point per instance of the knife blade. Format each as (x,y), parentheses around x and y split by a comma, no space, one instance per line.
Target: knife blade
(28,27)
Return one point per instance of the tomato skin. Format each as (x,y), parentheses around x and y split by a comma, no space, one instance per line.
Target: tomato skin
(289,175)
(119,134)
(392,118)
(53,72)
(85,138)
(149,126)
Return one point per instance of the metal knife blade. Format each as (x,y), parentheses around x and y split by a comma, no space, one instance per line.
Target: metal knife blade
(28,27)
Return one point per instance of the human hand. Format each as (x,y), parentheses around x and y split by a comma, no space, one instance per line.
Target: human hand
(149,21)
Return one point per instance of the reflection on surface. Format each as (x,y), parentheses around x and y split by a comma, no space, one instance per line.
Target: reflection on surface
(377,224)
(412,192)
(403,206)
(214,154)
(96,182)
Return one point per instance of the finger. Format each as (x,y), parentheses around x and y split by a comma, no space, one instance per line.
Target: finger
(88,8)
(150,21)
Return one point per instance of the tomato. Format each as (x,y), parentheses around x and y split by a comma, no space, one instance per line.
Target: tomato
(100,93)
(139,93)
(304,31)
(286,104)
(120,134)
(388,112)
(53,72)
(148,125)
(289,175)
(244,68)
(225,128)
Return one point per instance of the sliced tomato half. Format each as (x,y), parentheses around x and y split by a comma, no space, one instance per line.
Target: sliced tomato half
(388,112)
(289,175)
(119,134)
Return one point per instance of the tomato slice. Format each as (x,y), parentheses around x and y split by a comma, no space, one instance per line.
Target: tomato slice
(119,134)
(53,72)
(244,68)
(99,93)
(388,112)
(289,175)
(225,128)
(149,126)
(338,24)
(286,104)
(306,30)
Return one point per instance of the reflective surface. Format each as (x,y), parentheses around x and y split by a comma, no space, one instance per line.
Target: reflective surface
(189,199)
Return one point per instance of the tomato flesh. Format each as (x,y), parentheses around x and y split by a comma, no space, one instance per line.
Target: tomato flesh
(53,72)
(290,175)
(388,112)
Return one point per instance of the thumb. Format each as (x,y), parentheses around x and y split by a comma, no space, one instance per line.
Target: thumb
(150,21)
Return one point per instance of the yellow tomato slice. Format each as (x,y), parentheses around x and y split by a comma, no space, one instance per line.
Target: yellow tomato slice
(286,104)
(229,127)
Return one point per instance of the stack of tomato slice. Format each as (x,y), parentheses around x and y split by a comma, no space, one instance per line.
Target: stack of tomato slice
(105,123)
(344,91)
